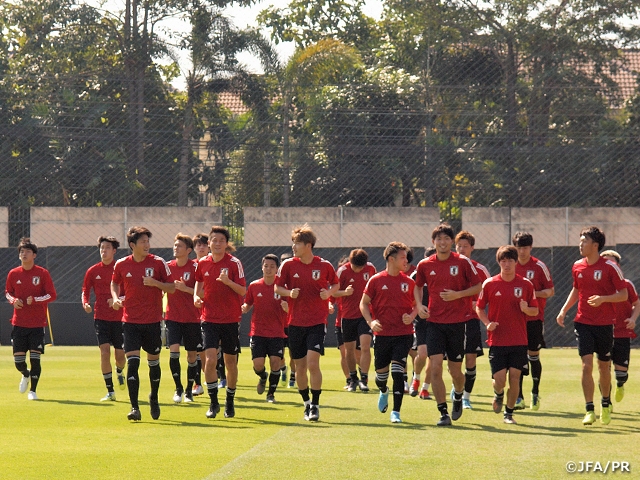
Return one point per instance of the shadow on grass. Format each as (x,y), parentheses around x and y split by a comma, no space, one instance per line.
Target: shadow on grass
(76,403)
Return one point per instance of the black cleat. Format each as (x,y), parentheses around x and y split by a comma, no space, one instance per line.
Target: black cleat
(154,407)
(229,409)
(134,415)
(271,398)
(456,413)
(445,420)
(307,411)
(213,410)
(314,413)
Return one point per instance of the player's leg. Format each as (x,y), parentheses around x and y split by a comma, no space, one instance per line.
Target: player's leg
(174,338)
(512,394)
(420,364)
(132,343)
(365,360)
(400,346)
(473,350)
(258,354)
(382,353)
(351,367)
(499,382)
(455,338)
(343,356)
(230,341)
(620,356)
(20,344)
(107,371)
(535,367)
(211,339)
(152,344)
(276,353)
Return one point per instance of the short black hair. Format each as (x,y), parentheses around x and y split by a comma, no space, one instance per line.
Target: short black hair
(393,248)
(507,252)
(358,257)
(134,234)
(271,256)
(522,239)
(112,240)
(443,228)
(595,234)
(25,242)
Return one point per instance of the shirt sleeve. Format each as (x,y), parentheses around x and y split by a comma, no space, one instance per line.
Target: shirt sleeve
(116,277)
(333,278)
(482,297)
(239,272)
(547,281)
(50,291)
(282,275)
(420,276)
(9,290)
(248,299)
(86,287)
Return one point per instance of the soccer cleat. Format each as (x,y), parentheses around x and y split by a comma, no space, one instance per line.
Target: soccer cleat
(424,394)
(353,386)
(292,382)
(605,415)
(383,401)
(395,417)
(445,420)
(177,397)
(497,403)
(589,418)
(364,388)
(307,411)
(346,385)
(109,397)
(261,386)
(619,393)
(188,398)
(213,410)
(134,415)
(314,413)
(414,388)
(456,413)
(229,409)
(32,396)
(271,398)
(121,381)
(222,383)
(283,377)
(508,418)
(406,388)
(154,407)
(535,402)
(197,390)
(24,384)
(519,404)
(466,404)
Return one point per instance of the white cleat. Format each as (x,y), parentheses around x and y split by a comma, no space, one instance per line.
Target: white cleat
(109,397)
(24,384)
(32,396)
(177,397)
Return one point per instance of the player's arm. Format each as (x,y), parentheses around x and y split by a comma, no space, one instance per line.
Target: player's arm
(246,308)
(344,293)
(49,291)
(484,318)
(284,292)
(527,310)
(166,287)
(86,292)
(546,293)
(182,287)
(115,294)
(570,302)
(364,309)
(326,293)
(620,296)
(198,294)
(635,313)
(450,295)
(423,312)
(10,295)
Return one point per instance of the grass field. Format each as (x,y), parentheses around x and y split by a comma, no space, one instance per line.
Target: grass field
(70,434)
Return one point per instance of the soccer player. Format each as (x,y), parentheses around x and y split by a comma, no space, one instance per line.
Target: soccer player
(626,315)
(465,244)
(29,289)
(511,298)
(267,326)
(201,247)
(450,278)
(107,319)
(309,281)
(292,365)
(389,294)
(421,359)
(354,276)
(144,277)
(182,318)
(597,284)
(537,272)
(220,277)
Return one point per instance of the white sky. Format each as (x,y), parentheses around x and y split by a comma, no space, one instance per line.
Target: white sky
(242,17)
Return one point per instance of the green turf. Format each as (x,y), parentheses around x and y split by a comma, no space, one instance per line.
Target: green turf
(69,434)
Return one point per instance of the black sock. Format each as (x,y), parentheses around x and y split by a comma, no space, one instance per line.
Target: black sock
(469,379)
(353,376)
(21,365)
(590,407)
(499,396)
(197,377)
(520,387)
(174,366)
(35,370)
(381,381)
(508,411)
(283,368)
(154,377)
(398,387)
(274,377)
(231,394)
(536,372)
(304,394)
(212,390)
(108,381)
(621,377)
(405,378)
(292,376)
(442,408)
(606,401)
(315,397)
(262,374)
(133,381)
(365,377)
(191,376)
(119,370)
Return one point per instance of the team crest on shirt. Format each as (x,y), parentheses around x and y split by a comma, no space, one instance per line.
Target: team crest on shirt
(453,270)
(597,275)
(404,287)
(148,272)
(530,274)
(224,271)
(315,274)
(186,276)
(276,296)
(366,277)
(35,280)
(517,292)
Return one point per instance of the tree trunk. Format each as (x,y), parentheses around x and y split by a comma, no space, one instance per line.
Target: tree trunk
(286,161)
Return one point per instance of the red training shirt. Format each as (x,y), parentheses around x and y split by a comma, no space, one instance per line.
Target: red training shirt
(220,304)
(391,297)
(537,273)
(180,307)
(99,277)
(35,282)
(623,311)
(351,303)
(268,318)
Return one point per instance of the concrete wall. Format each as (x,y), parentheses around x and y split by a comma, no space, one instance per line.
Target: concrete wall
(341,226)
(4,227)
(51,226)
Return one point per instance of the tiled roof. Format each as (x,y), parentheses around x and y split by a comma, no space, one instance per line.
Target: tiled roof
(627,75)
(233,102)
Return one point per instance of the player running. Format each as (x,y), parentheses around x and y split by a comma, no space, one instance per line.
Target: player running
(201,248)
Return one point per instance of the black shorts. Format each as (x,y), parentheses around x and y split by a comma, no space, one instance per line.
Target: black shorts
(446,339)
(286,337)
(473,342)
(303,339)
(389,349)
(263,346)
(339,337)
(353,328)
(26,339)
(535,335)
(596,339)
(225,336)
(189,333)
(109,332)
(501,358)
(420,333)
(621,353)
(145,336)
